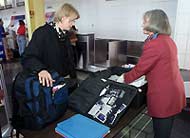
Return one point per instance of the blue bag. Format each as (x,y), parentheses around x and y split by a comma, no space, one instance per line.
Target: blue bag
(38,105)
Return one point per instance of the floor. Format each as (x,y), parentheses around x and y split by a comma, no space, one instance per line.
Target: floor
(181,128)
(141,127)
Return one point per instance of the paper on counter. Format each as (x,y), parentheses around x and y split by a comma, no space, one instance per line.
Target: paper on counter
(137,83)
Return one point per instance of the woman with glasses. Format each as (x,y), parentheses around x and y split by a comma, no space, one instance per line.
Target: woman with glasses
(50,47)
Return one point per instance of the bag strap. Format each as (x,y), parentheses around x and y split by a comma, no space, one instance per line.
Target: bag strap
(42,102)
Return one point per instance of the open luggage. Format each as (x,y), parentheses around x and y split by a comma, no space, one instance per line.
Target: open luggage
(102,99)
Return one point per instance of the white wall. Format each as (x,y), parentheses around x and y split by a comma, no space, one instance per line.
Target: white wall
(182,33)
(118,19)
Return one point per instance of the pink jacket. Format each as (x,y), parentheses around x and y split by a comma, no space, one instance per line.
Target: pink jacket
(166,94)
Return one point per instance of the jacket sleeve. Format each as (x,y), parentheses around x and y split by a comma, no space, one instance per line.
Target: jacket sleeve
(147,61)
(32,57)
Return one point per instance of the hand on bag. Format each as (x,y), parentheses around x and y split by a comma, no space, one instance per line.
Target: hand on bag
(45,78)
(1,94)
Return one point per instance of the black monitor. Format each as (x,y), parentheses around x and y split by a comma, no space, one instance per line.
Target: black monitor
(134,51)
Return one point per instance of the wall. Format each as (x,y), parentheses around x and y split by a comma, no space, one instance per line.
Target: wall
(118,19)
(6,14)
(182,33)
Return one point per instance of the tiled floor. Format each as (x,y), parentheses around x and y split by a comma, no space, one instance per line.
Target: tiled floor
(181,128)
(141,127)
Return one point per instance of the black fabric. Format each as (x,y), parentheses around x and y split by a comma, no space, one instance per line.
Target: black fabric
(76,58)
(162,127)
(81,50)
(47,51)
(118,70)
(114,101)
(16,120)
(140,98)
(15,53)
(86,94)
(72,84)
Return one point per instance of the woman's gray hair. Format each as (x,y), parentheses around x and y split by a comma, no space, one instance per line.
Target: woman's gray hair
(157,22)
(66,10)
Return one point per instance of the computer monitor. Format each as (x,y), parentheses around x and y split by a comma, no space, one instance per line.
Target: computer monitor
(134,51)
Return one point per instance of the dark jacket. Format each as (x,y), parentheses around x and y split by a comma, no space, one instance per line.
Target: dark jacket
(166,94)
(47,51)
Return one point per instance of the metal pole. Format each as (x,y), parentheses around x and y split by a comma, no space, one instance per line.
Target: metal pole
(7,128)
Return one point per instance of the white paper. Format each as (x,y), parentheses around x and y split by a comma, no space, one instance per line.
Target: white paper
(137,83)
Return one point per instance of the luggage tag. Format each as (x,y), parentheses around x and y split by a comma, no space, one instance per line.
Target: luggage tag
(56,88)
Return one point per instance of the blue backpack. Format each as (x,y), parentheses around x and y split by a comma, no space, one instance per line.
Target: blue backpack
(34,105)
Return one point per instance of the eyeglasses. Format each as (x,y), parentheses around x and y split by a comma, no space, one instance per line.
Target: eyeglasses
(72,20)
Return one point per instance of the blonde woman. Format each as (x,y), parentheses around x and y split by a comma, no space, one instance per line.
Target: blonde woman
(165,96)
(49,48)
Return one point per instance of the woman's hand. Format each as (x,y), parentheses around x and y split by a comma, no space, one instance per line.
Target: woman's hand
(45,78)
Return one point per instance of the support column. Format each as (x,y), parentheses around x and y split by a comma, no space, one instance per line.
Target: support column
(35,14)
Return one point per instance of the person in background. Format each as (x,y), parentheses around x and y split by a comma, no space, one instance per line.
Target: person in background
(21,37)
(12,40)
(50,47)
(165,96)
(3,42)
(2,29)
(12,36)
(73,39)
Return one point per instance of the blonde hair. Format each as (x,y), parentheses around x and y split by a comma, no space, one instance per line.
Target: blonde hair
(158,22)
(66,10)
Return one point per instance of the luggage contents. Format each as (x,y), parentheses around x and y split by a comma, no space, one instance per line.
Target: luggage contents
(102,100)
(140,84)
(137,83)
(106,100)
